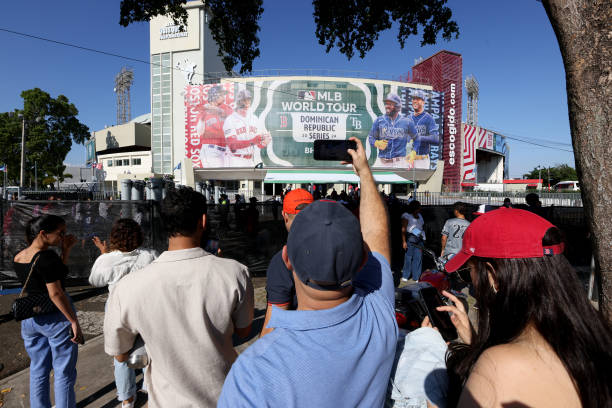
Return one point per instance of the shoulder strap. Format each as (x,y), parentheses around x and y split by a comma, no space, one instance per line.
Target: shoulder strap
(29,274)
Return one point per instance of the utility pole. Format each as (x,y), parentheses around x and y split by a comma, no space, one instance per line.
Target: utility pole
(35,177)
(540,175)
(548,169)
(22,151)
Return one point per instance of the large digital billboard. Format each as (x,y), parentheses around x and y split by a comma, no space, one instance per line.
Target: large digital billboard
(275,122)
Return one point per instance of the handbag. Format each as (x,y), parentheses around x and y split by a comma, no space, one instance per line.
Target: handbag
(36,304)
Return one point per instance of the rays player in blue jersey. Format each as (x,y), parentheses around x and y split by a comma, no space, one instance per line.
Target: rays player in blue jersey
(390,134)
(427,143)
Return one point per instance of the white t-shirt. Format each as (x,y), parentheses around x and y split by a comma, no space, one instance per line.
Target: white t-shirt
(414,223)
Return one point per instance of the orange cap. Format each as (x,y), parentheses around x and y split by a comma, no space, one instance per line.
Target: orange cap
(294,198)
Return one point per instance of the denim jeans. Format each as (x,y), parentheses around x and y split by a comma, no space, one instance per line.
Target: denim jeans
(47,342)
(413,262)
(125,380)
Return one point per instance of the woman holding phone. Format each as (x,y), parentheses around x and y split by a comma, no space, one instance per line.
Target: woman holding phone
(539,341)
(51,339)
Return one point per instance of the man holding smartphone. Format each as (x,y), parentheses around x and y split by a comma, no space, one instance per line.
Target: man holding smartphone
(343,334)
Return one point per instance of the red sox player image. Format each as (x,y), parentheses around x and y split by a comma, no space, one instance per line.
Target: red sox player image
(210,128)
(244,133)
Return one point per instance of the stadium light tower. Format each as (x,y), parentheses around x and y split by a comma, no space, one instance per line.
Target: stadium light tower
(123,81)
(472,100)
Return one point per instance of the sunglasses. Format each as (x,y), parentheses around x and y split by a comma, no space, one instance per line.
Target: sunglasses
(464,274)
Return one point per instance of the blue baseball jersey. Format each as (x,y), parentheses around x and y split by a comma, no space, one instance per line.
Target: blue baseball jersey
(396,132)
(427,129)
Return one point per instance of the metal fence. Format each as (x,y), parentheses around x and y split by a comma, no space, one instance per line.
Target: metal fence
(496,198)
(248,233)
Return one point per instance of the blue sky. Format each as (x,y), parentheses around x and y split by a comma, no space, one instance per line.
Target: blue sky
(509,46)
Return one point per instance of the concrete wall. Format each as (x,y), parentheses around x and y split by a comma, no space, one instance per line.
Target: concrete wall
(128,134)
(115,172)
(434,183)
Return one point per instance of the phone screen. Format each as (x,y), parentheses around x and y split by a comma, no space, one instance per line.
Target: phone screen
(440,320)
(335,150)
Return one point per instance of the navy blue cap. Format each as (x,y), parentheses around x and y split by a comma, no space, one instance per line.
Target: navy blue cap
(419,94)
(394,98)
(325,246)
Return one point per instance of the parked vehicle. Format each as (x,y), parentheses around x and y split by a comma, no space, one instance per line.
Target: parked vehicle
(567,186)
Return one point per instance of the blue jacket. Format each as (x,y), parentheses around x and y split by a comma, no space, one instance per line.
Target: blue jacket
(427,129)
(396,132)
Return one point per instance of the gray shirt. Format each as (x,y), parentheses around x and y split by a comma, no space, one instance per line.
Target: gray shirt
(454,230)
(184,305)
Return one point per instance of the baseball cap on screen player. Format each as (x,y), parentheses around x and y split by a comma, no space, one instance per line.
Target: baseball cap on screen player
(504,233)
(325,246)
(393,97)
(419,94)
(294,198)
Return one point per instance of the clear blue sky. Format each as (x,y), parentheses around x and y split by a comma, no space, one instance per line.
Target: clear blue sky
(509,46)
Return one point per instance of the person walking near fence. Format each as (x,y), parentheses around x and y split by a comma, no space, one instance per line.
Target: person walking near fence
(413,238)
(185,305)
(50,339)
(122,256)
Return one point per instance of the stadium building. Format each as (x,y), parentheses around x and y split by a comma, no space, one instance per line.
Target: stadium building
(255,135)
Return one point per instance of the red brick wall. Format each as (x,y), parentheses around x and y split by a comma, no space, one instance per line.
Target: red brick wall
(441,71)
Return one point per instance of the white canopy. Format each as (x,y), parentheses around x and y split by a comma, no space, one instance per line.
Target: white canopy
(329,177)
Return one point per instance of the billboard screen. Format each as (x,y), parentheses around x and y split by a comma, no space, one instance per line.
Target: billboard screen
(275,122)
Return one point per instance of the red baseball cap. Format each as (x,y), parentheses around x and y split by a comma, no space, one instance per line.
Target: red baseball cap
(504,233)
(294,198)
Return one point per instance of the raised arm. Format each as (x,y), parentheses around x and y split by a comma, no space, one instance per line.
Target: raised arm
(372,213)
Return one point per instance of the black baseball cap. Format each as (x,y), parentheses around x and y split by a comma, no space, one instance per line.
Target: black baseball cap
(325,246)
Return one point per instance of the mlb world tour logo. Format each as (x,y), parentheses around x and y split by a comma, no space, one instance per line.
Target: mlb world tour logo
(319,115)
(452,128)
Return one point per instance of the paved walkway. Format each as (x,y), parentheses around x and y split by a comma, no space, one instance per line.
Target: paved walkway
(95,385)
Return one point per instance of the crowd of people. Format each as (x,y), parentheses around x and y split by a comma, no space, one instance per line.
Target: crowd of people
(330,336)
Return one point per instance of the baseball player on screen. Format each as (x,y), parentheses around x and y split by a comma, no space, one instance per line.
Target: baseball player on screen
(210,128)
(244,133)
(390,134)
(427,136)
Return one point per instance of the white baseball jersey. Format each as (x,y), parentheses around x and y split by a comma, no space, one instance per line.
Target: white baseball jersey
(243,128)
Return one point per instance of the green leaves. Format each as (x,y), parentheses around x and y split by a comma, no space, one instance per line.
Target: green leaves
(350,25)
(355,25)
(559,172)
(51,126)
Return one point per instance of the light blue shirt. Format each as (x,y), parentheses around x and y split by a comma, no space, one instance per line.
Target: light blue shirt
(339,357)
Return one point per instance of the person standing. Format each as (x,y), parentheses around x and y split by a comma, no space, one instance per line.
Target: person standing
(453,230)
(185,305)
(280,287)
(122,256)
(413,238)
(428,137)
(51,339)
(391,132)
(337,348)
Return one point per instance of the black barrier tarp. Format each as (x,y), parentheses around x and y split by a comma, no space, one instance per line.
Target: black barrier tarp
(248,233)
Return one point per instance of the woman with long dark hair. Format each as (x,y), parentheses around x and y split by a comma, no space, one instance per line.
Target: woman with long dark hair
(539,341)
(51,339)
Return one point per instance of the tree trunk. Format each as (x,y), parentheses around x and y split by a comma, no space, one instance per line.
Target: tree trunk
(583,31)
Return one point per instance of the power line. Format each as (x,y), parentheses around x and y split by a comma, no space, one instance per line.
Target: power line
(532,141)
(206,76)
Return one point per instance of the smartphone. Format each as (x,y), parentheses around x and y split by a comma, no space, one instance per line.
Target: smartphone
(440,320)
(334,150)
